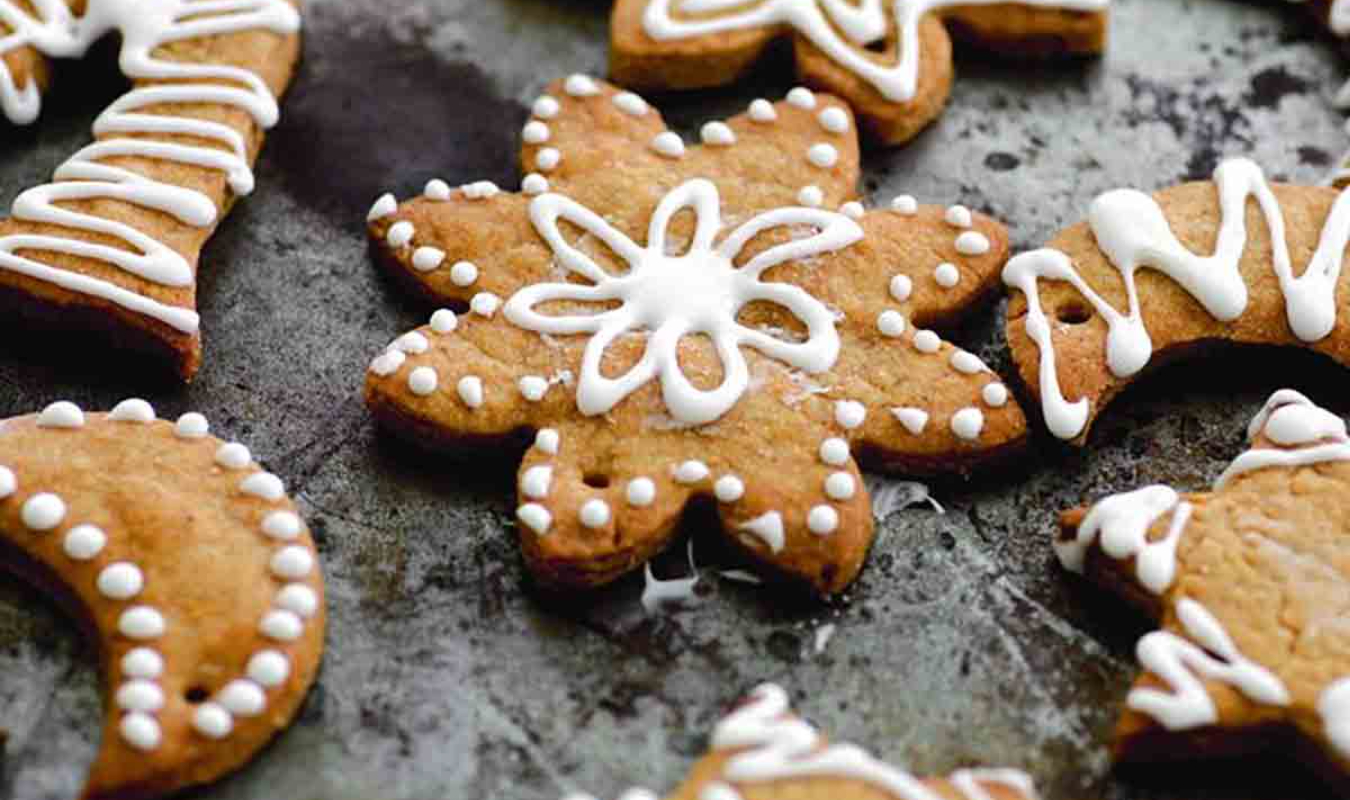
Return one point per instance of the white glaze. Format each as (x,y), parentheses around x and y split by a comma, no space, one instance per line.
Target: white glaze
(1120,524)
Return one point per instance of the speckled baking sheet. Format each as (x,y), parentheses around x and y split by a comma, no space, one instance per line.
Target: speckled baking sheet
(446,677)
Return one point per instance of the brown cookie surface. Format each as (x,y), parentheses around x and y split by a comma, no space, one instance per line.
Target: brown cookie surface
(678,322)
(188,566)
(1250,584)
(891,61)
(112,247)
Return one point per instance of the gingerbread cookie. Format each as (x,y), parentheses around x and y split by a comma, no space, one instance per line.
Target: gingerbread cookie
(1251,583)
(1147,280)
(679,322)
(112,246)
(189,567)
(891,60)
(763,751)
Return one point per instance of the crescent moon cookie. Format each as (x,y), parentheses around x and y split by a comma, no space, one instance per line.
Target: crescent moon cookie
(684,321)
(112,246)
(189,566)
(1150,279)
(891,60)
(763,751)
(1251,585)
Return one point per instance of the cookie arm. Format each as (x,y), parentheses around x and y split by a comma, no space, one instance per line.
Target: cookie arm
(714,59)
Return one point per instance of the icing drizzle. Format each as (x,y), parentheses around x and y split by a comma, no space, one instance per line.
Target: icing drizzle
(700,291)
(1131,230)
(838,28)
(144,27)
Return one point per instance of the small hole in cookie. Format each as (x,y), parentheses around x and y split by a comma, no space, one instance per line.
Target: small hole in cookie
(196,694)
(596,480)
(1073,314)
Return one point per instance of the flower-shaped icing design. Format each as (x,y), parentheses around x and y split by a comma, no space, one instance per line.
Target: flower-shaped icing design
(1250,585)
(698,291)
(672,321)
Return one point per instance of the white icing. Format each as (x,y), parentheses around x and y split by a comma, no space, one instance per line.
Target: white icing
(422,381)
(282,525)
(995,395)
(729,489)
(532,387)
(191,426)
(535,517)
(947,275)
(534,132)
(8,483)
(444,321)
(142,662)
(141,623)
(1333,706)
(630,104)
(578,85)
(834,119)
(120,581)
(388,362)
(139,695)
(718,134)
(769,528)
(485,304)
(852,209)
(547,159)
(1182,664)
(1131,230)
(212,721)
(55,32)
(822,154)
(958,216)
(967,423)
(292,562)
(669,144)
(901,287)
(535,483)
(914,420)
(426,259)
(967,362)
(282,626)
(927,342)
(640,492)
(762,111)
(656,594)
(438,190)
(463,273)
(905,204)
(479,190)
(263,485)
(233,456)
(595,513)
(700,291)
(799,96)
(132,410)
(533,184)
(412,343)
(1120,525)
(691,472)
(834,451)
(83,542)
(268,668)
(1291,420)
(547,440)
(470,390)
(546,107)
(840,486)
(811,196)
(141,731)
(972,243)
(242,698)
(43,511)
(822,520)
(385,206)
(400,233)
(61,414)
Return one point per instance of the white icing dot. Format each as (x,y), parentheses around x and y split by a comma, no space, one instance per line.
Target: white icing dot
(533,388)
(691,472)
(901,288)
(579,85)
(947,275)
(282,525)
(139,695)
(811,196)
(595,513)
(958,216)
(292,562)
(927,342)
(546,107)
(967,423)
(61,414)
(972,243)
(822,520)
(890,323)
(641,492)
(400,233)
(140,731)
(233,456)
(729,488)
(8,483)
(242,698)
(191,426)
(834,451)
(298,598)
(802,97)
(412,343)
(480,190)
(850,414)
(547,159)
(142,662)
(717,133)
(995,394)
(913,419)
(436,189)
(536,481)
(534,132)
(383,207)
(423,381)
(834,119)
(387,363)
(463,273)
(141,623)
(762,110)
(120,581)
(840,486)
(444,321)
(485,304)
(132,410)
(534,183)
(822,155)
(968,363)
(425,259)
(547,440)
(905,204)
(281,625)
(268,668)
(42,512)
(852,209)
(535,517)
(630,104)
(264,485)
(212,721)
(470,389)
(83,542)
(669,144)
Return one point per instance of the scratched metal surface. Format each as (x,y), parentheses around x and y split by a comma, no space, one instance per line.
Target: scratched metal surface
(445,675)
